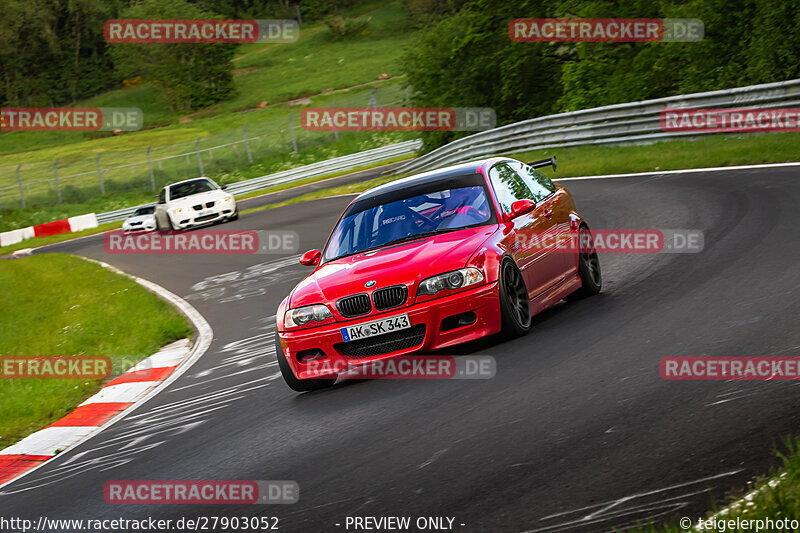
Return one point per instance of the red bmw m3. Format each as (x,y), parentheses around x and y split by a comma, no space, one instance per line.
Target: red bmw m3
(430,261)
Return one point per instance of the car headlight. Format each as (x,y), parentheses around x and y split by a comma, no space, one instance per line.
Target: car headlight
(456,279)
(303,315)
(178,210)
(227,199)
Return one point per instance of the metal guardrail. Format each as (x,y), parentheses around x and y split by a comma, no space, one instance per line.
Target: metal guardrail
(322,168)
(634,122)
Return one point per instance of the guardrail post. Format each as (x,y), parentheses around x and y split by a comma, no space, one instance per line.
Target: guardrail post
(55,175)
(199,156)
(150,166)
(19,183)
(291,130)
(99,173)
(247,144)
(335,133)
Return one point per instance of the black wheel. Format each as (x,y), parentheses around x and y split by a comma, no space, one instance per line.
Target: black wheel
(235,214)
(515,310)
(299,385)
(588,267)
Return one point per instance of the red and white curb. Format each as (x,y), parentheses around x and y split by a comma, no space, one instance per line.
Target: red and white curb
(117,399)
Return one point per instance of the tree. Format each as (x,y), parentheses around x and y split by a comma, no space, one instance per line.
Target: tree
(189,76)
(468,60)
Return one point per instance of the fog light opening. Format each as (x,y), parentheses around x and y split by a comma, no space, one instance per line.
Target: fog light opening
(307,356)
(459,321)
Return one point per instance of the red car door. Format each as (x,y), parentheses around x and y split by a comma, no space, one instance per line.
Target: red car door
(533,237)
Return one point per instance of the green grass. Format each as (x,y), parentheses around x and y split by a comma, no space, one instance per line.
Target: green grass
(708,151)
(346,69)
(57,304)
(275,73)
(775,497)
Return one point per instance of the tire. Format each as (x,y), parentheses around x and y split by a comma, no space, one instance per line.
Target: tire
(515,311)
(588,268)
(169,224)
(298,385)
(235,215)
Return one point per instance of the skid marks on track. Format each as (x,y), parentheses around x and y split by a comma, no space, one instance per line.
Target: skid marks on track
(629,511)
(248,282)
(241,358)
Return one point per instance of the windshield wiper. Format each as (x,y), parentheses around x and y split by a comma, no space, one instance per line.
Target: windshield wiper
(407,238)
(417,236)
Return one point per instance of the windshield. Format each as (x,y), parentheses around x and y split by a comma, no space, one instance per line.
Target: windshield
(189,188)
(429,213)
(145,211)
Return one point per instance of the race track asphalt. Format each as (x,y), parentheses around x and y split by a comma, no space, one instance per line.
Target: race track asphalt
(576,432)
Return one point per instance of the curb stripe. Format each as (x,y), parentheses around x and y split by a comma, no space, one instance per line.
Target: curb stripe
(136,376)
(12,466)
(94,414)
(37,448)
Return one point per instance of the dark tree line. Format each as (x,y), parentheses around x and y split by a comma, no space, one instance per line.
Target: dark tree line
(52,52)
(464,56)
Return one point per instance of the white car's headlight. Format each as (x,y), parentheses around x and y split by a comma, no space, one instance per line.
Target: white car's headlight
(227,199)
(178,210)
(456,279)
(303,315)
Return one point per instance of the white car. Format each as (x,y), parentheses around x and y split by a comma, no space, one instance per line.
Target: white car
(143,219)
(194,202)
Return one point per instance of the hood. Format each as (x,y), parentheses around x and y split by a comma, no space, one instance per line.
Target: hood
(406,263)
(139,218)
(199,198)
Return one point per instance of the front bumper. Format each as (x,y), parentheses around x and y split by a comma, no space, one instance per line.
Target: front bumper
(483,301)
(190,218)
(149,226)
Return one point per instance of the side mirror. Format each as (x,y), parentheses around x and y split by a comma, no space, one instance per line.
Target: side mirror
(223,187)
(311,258)
(520,207)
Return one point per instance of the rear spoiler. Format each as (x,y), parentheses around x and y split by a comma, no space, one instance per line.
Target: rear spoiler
(544,163)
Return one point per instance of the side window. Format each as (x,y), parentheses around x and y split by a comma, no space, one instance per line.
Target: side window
(538,182)
(509,186)
(162,197)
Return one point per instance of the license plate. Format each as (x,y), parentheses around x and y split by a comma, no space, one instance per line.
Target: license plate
(377,327)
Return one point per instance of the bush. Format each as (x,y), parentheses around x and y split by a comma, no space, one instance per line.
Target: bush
(341,28)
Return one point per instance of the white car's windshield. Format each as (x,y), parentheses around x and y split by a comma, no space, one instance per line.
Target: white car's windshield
(188,188)
(149,210)
(415,216)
